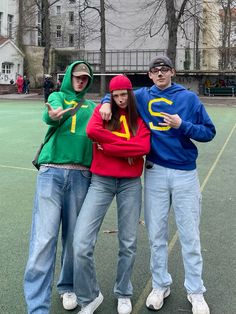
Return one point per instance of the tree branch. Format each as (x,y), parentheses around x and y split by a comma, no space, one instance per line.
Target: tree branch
(55,1)
(182,9)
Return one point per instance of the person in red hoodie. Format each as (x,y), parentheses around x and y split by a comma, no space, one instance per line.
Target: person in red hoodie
(19,84)
(118,150)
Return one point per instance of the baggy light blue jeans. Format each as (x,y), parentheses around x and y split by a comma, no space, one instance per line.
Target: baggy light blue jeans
(59,197)
(164,187)
(128,192)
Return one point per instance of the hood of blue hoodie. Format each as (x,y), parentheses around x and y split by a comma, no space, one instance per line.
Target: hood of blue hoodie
(174,88)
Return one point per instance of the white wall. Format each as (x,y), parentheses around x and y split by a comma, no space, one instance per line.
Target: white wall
(125,28)
(9,7)
(211,35)
(8,53)
(122,31)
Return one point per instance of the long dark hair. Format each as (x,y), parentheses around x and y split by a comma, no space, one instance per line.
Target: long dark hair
(114,123)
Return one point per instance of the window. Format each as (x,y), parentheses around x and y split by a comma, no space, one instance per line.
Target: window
(9,25)
(1,23)
(58,31)
(71,17)
(71,40)
(58,10)
(6,68)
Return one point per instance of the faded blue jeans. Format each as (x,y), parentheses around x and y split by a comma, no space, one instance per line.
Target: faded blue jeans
(59,196)
(164,187)
(128,192)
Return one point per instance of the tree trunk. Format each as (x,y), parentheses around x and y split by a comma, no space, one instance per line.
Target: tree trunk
(198,53)
(20,28)
(103,48)
(226,35)
(229,33)
(46,35)
(172,23)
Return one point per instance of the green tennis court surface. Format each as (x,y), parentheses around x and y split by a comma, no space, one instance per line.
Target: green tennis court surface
(21,132)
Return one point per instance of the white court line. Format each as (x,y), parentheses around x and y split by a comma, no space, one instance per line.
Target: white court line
(141,300)
(18,168)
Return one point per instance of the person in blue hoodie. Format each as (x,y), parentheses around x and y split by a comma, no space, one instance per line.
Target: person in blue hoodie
(176,118)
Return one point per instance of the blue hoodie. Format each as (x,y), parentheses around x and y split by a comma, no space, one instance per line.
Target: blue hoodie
(174,148)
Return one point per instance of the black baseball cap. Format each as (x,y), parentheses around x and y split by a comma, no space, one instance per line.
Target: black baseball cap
(160,61)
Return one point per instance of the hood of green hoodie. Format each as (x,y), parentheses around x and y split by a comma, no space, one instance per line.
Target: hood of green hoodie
(67,88)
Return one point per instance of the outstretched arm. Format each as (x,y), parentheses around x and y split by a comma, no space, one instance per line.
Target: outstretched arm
(56,114)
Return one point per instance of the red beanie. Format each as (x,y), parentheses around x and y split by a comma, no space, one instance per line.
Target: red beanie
(120,82)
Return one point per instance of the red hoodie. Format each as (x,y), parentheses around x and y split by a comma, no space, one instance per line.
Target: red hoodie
(117,147)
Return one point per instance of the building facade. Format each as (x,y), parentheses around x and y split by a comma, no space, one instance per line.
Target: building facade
(11,57)
(11,61)
(134,34)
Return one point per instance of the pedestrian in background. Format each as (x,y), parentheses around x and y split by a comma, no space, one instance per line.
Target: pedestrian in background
(26,85)
(19,84)
(58,85)
(48,86)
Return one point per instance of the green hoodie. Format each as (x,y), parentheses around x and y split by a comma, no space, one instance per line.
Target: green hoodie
(69,144)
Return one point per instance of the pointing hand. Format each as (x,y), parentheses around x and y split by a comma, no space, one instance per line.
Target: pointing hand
(56,114)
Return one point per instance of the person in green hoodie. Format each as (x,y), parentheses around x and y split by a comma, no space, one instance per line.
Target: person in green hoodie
(62,184)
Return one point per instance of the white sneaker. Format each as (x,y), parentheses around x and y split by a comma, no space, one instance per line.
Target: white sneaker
(199,305)
(156,298)
(124,306)
(92,306)
(69,300)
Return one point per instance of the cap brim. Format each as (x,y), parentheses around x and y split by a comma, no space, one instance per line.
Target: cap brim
(161,65)
(80,73)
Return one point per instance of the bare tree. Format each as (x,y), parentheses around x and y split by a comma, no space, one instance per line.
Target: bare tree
(35,16)
(44,7)
(103,48)
(172,20)
(228,7)
(100,11)
(176,13)
(95,32)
